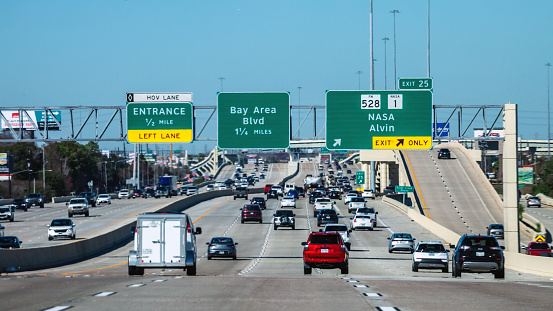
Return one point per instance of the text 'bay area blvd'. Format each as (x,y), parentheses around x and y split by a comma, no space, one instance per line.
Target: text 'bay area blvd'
(256,110)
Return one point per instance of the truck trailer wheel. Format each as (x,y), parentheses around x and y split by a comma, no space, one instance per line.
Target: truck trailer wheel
(191,270)
(136,271)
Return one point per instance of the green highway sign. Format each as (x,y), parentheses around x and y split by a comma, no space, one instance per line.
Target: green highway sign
(400,119)
(253,120)
(415,83)
(360,178)
(400,189)
(159,122)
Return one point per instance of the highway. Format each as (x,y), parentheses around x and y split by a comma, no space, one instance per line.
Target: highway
(268,273)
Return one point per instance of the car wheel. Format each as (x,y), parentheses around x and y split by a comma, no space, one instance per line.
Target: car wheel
(344,269)
(371,228)
(446,269)
(73,237)
(348,246)
(42,206)
(412,251)
(87,214)
(242,220)
(191,270)
(234,198)
(70,215)
(234,257)
(261,221)
(275,227)
(307,269)
(455,272)
(294,227)
(390,250)
(415,267)
(136,271)
(500,274)
(209,257)
(50,238)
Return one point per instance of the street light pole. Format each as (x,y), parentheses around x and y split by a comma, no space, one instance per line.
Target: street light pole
(395,70)
(359,78)
(548,116)
(385,62)
(371,47)
(221,78)
(428,41)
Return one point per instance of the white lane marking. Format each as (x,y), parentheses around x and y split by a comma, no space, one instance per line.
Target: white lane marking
(58,308)
(136,285)
(159,281)
(353,281)
(477,194)
(360,286)
(372,295)
(104,294)
(385,225)
(387,309)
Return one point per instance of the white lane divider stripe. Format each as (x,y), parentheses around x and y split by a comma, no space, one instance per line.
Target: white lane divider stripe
(57,308)
(104,294)
(137,285)
(387,309)
(372,294)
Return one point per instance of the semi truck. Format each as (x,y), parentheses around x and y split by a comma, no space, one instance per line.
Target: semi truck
(163,240)
(169,182)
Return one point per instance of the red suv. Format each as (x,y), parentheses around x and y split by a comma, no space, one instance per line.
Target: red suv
(251,212)
(268,188)
(325,250)
(538,248)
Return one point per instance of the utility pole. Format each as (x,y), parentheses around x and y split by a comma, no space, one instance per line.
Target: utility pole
(385,63)
(395,68)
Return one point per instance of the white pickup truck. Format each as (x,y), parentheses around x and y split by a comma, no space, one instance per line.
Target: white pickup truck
(322,203)
(355,203)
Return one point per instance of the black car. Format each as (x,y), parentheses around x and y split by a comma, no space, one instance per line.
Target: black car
(19,203)
(272,194)
(90,197)
(389,190)
(327,216)
(444,153)
(346,188)
(10,242)
(35,199)
(478,254)
(149,193)
(300,191)
(259,201)
(314,195)
(348,172)
(334,194)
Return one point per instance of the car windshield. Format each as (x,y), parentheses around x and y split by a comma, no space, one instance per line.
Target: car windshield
(103,196)
(480,241)
(336,228)
(368,210)
(222,241)
(18,200)
(251,207)
(538,246)
(4,209)
(61,222)
(8,239)
(402,236)
(533,198)
(34,195)
(431,248)
(363,217)
(328,212)
(323,200)
(78,201)
(258,200)
(357,200)
(285,213)
(324,239)
(496,227)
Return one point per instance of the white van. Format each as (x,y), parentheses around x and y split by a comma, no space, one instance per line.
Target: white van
(164,240)
(190,190)
(288,187)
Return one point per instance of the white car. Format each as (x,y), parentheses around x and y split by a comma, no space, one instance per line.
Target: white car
(362,222)
(103,198)
(288,201)
(355,203)
(322,203)
(62,228)
(348,197)
(77,206)
(369,194)
(342,229)
(209,188)
(430,255)
(124,194)
(244,184)
(369,211)
(278,188)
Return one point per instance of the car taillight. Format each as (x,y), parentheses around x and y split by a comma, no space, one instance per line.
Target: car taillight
(276,219)
(188,228)
(355,220)
(464,247)
(211,245)
(231,245)
(495,248)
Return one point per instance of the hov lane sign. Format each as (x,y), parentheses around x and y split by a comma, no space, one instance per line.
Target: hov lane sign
(159,97)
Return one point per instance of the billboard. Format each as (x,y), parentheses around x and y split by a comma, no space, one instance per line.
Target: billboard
(491,133)
(441,128)
(18,119)
(526,175)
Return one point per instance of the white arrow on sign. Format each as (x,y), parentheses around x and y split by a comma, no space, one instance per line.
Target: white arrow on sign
(337,142)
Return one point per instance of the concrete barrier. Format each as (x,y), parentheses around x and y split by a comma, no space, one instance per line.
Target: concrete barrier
(25,259)
(537,265)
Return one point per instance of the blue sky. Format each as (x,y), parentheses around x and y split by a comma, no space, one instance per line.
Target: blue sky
(66,53)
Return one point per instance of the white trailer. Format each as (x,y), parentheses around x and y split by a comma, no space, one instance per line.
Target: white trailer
(164,240)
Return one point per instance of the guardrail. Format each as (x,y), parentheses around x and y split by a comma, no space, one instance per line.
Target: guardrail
(25,259)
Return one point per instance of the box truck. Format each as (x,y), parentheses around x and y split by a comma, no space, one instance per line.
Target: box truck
(164,240)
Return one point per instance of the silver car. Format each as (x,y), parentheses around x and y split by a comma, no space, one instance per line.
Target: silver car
(62,228)
(103,198)
(533,201)
(401,242)
(360,221)
(6,213)
(221,247)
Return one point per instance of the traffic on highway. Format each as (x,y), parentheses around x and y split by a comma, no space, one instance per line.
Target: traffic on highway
(359,248)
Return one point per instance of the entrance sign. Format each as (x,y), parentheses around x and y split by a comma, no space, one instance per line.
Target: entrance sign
(400,119)
(253,120)
(159,123)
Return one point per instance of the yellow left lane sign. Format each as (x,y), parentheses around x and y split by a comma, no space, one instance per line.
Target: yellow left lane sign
(159,136)
(402,142)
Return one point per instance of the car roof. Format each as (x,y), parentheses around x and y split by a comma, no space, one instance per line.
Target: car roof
(431,242)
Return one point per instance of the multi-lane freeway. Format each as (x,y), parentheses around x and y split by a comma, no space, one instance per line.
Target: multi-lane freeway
(268,273)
